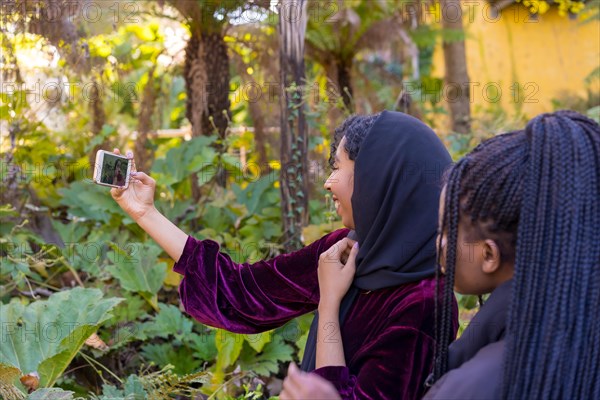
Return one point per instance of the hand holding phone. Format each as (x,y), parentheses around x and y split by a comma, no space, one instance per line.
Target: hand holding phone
(112,169)
(138,197)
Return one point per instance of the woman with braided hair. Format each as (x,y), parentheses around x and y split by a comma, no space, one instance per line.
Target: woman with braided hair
(520,218)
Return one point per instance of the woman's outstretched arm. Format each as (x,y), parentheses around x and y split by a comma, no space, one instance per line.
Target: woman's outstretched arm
(138,202)
(243,298)
(164,232)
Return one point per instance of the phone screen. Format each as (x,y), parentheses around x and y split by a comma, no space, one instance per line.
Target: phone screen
(114,170)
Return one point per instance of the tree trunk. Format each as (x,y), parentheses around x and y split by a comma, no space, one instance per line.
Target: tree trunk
(98,119)
(457,79)
(294,157)
(344,81)
(143,149)
(260,135)
(195,82)
(216,61)
(207,82)
(258,118)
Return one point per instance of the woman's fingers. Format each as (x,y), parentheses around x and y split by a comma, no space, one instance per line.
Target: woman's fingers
(145,179)
(129,155)
(301,385)
(292,389)
(338,252)
(337,249)
(353,254)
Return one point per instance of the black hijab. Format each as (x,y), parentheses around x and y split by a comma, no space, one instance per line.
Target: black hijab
(395,207)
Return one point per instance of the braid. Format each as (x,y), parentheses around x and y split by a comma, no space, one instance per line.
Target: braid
(472,188)
(444,328)
(536,193)
(553,329)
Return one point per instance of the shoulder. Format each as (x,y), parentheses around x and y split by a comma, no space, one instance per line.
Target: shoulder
(418,295)
(409,306)
(309,252)
(478,378)
(329,240)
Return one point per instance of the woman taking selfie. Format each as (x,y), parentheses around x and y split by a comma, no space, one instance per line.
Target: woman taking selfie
(519,218)
(373,335)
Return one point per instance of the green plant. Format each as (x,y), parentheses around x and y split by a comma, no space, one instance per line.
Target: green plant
(44,336)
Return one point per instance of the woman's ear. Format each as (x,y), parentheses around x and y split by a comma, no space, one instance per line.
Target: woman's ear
(491,257)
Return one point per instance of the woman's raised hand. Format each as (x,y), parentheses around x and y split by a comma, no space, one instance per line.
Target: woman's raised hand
(335,276)
(138,198)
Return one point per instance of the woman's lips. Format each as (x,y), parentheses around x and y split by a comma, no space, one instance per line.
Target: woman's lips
(336,203)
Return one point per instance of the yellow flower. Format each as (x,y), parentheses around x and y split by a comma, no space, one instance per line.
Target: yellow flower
(543,7)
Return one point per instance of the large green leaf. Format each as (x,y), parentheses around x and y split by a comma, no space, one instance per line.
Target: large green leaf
(139,269)
(258,340)
(45,336)
(168,322)
(133,389)
(203,346)
(253,197)
(164,354)
(267,362)
(229,346)
(191,156)
(89,201)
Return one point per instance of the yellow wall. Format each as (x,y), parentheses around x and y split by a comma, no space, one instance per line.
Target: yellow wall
(552,55)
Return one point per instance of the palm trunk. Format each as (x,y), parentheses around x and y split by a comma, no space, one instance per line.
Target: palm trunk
(207,82)
(216,60)
(294,157)
(457,78)
(195,82)
(344,81)
(216,119)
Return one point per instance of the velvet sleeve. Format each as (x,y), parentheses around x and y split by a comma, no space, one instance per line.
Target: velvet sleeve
(388,371)
(249,298)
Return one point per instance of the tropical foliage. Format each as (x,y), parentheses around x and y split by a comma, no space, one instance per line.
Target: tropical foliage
(89,302)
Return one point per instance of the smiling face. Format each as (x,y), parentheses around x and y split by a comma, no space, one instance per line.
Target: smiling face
(341,184)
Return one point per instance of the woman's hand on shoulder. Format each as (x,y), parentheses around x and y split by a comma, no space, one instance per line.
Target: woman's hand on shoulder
(336,270)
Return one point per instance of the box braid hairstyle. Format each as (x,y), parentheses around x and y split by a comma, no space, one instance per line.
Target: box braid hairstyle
(537,192)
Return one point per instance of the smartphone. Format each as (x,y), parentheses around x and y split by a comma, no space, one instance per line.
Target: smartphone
(112,169)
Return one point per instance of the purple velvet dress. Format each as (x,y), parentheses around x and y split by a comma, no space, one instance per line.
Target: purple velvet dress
(387,335)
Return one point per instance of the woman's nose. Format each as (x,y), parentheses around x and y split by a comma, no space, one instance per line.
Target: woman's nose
(327,184)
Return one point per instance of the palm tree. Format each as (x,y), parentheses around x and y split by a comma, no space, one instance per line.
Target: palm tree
(206,69)
(337,33)
(294,157)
